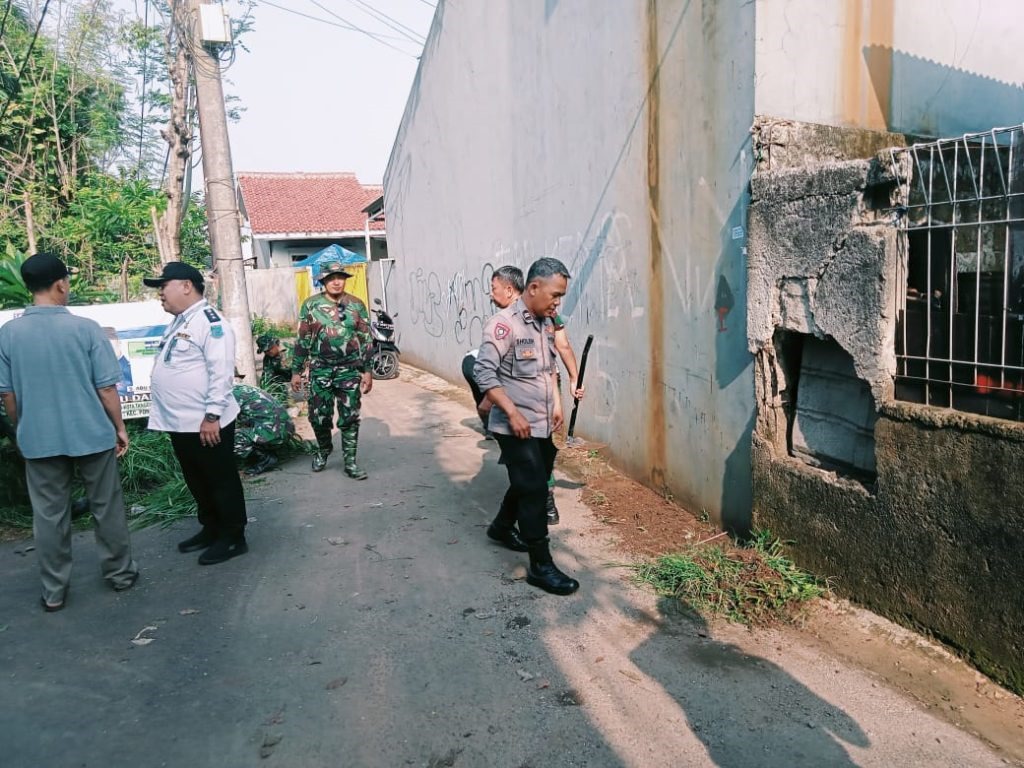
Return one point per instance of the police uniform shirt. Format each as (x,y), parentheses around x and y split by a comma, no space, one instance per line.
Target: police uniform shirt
(517,355)
(194,372)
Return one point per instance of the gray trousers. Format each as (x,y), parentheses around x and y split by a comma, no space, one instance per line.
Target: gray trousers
(49,489)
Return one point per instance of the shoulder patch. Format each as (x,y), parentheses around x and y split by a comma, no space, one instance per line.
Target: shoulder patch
(501,331)
(216,331)
(211,315)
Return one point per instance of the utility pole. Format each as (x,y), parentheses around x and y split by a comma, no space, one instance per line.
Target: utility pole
(221,203)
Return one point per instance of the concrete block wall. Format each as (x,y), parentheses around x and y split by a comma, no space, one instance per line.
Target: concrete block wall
(933,538)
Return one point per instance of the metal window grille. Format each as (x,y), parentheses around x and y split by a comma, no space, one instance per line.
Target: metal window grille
(960,322)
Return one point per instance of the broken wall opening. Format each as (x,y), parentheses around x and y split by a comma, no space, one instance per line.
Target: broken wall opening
(829,411)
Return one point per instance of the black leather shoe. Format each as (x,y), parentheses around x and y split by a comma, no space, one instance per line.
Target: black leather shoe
(224,549)
(201,540)
(551,509)
(550,579)
(509,537)
(266,461)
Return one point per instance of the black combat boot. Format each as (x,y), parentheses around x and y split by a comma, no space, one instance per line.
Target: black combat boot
(320,460)
(263,462)
(544,574)
(551,509)
(503,528)
(349,442)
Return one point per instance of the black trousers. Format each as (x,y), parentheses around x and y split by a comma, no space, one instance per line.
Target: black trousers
(212,478)
(529,463)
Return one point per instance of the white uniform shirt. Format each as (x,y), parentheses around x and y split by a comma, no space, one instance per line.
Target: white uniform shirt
(194,372)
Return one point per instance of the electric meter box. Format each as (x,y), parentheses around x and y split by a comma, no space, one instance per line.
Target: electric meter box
(214,24)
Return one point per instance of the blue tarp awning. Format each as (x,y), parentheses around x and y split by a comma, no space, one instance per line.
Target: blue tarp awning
(332,252)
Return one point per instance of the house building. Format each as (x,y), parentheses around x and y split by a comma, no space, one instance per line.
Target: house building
(805,304)
(292,215)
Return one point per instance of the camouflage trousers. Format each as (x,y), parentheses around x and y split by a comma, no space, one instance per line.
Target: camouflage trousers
(327,385)
(262,436)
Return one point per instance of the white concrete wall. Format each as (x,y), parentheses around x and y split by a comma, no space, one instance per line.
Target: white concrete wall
(616,140)
(272,294)
(925,67)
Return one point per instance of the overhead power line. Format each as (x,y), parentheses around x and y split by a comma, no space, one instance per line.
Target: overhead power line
(346,26)
(390,21)
(354,28)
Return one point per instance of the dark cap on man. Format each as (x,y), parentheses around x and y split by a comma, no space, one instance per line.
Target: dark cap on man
(333,268)
(42,270)
(176,270)
(265,342)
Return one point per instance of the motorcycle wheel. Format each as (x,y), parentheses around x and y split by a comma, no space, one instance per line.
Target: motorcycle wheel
(385,365)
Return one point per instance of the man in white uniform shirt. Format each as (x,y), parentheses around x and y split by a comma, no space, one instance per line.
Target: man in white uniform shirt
(192,401)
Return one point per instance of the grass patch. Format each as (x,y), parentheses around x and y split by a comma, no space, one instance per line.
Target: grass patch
(154,490)
(754,584)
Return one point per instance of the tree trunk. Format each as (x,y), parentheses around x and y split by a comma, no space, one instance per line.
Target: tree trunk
(178,135)
(124,279)
(30,223)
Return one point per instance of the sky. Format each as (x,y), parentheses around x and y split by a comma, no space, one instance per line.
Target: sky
(319,97)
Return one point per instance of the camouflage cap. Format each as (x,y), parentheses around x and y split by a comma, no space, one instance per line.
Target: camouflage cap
(265,342)
(329,268)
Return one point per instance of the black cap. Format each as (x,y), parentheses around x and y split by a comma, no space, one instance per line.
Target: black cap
(176,270)
(44,269)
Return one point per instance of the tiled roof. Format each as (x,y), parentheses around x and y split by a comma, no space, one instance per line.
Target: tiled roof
(299,203)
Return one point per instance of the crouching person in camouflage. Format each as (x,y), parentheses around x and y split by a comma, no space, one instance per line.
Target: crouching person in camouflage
(263,425)
(334,336)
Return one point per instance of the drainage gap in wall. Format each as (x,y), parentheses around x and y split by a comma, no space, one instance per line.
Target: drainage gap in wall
(830,412)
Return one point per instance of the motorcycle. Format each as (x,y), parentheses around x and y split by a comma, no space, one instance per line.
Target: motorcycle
(385,350)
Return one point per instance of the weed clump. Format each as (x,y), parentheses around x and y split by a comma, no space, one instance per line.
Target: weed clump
(753,584)
(154,490)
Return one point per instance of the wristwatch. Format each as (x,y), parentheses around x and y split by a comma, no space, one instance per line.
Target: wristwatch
(211,417)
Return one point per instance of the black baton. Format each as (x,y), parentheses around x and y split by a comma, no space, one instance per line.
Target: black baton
(579,383)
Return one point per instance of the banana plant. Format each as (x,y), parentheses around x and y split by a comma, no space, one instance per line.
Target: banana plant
(13,293)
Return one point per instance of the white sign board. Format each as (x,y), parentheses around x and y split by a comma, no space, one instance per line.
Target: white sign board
(134,331)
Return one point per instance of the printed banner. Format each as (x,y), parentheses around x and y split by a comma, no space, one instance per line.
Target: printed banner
(134,331)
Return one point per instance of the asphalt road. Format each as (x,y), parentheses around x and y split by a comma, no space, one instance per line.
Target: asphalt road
(372,624)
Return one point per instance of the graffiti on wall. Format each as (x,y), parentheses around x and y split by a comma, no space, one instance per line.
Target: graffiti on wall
(609,282)
(456,306)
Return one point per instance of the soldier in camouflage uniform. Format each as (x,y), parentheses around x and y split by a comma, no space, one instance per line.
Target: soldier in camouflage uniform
(277,360)
(334,336)
(262,426)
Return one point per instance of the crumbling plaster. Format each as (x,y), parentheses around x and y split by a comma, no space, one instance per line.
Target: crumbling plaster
(821,262)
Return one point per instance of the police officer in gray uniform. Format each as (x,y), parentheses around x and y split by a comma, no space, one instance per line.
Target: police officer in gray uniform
(192,401)
(515,368)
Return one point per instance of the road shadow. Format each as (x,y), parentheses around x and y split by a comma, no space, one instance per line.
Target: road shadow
(743,708)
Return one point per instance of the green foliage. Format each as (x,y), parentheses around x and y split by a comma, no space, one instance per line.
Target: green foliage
(13,293)
(261,325)
(755,584)
(154,490)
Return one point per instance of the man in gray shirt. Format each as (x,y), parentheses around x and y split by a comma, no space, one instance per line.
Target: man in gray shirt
(515,368)
(58,381)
